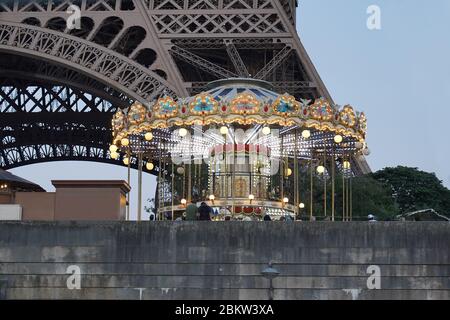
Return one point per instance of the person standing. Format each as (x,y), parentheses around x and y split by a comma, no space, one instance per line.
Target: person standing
(205,212)
(191,211)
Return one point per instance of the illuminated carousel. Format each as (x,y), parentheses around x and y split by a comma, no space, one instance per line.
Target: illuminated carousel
(244,149)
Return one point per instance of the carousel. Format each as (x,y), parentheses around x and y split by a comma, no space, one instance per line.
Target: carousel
(245,150)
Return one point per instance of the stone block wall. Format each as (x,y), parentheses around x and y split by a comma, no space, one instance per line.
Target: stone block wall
(224,260)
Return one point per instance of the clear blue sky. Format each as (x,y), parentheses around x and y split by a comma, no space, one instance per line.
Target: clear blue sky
(399,75)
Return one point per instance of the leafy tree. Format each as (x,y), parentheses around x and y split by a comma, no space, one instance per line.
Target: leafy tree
(369,196)
(372,197)
(413,189)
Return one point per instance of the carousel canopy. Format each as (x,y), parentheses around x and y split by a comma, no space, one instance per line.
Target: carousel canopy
(241,101)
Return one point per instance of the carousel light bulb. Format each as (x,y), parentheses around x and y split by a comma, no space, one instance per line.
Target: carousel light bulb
(251,197)
(346,164)
(126,161)
(182,132)
(306,134)
(212,197)
(285,200)
(223,130)
(113,148)
(114,155)
(288,172)
(358,145)
(180,170)
(266,130)
(149,166)
(125,142)
(148,136)
(183,201)
(320,169)
(366,151)
(301,205)
(338,138)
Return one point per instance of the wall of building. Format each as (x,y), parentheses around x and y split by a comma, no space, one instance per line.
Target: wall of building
(208,260)
(36,205)
(88,204)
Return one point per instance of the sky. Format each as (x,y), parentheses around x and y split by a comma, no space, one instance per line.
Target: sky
(398,75)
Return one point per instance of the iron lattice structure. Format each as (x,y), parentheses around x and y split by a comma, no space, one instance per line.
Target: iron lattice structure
(61,86)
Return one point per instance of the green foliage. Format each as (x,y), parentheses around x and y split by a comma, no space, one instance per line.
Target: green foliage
(413,189)
(369,196)
(372,197)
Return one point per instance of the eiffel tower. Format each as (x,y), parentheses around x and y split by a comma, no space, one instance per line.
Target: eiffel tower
(60,85)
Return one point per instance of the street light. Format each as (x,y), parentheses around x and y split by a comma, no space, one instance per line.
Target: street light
(270,273)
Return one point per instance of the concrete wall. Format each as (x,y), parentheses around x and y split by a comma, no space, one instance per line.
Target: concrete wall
(207,260)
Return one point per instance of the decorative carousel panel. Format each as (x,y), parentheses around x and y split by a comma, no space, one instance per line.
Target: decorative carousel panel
(321,110)
(362,124)
(203,104)
(118,121)
(136,114)
(347,116)
(285,105)
(304,107)
(165,108)
(245,103)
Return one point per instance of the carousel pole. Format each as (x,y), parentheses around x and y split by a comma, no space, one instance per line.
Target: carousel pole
(173,181)
(225,173)
(164,177)
(159,188)
(128,181)
(233,177)
(139,186)
(347,189)
(343,196)
(332,186)
(282,171)
(189,181)
(311,190)
(184,180)
(296,187)
(324,184)
(351,199)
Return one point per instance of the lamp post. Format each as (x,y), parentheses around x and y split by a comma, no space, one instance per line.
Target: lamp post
(270,273)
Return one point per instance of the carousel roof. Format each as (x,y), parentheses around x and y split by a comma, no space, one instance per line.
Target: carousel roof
(230,88)
(241,101)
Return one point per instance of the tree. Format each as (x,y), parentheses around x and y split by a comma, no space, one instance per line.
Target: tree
(369,196)
(372,197)
(414,190)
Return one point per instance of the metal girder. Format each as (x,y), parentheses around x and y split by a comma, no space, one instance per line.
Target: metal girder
(272,64)
(201,63)
(238,64)
(103,60)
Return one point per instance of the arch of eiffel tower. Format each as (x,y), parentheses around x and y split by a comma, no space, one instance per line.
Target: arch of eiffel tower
(59,86)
